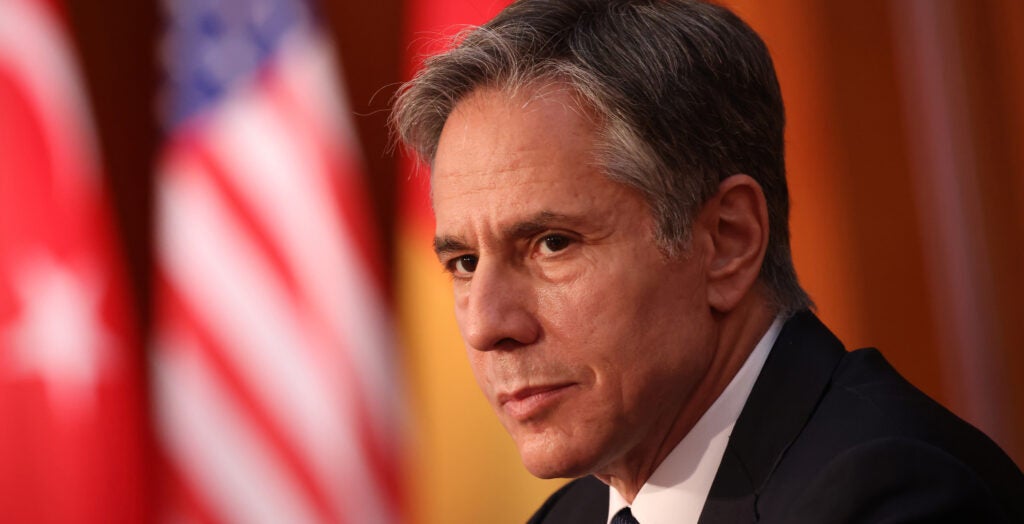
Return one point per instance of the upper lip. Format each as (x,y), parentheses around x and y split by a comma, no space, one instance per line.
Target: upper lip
(524,392)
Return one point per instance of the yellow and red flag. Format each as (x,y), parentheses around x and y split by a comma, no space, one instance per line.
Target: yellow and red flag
(464,467)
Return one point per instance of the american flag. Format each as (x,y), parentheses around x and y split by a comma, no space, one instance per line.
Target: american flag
(71,403)
(273,360)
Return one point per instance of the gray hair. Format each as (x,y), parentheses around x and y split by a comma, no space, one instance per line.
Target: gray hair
(685,93)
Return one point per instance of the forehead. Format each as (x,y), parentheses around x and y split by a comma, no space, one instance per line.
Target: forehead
(493,139)
(514,122)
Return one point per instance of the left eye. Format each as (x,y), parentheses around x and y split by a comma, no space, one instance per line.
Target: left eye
(554,243)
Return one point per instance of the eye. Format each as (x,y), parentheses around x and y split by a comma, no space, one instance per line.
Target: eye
(462,266)
(554,243)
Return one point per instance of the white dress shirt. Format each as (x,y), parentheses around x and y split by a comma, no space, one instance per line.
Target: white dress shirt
(677,490)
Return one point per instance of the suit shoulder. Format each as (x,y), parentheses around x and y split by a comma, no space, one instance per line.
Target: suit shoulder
(874,430)
(900,479)
(584,500)
(877,402)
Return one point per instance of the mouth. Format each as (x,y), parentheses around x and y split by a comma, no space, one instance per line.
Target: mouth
(529,402)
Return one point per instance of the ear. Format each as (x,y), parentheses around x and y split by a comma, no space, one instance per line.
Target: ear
(736,222)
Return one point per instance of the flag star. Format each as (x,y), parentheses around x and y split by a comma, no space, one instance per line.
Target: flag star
(58,335)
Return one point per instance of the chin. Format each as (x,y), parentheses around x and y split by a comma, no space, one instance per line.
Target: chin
(552,467)
(548,458)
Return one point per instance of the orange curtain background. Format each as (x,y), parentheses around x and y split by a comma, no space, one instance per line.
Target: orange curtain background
(906,167)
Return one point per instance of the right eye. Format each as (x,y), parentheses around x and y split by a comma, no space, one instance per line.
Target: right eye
(462,266)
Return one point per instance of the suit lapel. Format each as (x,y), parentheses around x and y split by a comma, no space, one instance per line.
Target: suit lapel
(793,379)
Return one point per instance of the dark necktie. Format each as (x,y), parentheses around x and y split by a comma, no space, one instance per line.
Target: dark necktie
(624,516)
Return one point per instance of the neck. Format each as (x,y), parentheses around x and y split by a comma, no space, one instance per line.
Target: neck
(734,336)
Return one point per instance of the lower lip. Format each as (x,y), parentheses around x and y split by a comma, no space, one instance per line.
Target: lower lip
(529,407)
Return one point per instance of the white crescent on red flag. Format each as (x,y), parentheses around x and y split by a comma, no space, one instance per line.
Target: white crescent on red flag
(71,413)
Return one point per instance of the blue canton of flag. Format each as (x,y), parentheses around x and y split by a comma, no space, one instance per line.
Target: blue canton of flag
(211,46)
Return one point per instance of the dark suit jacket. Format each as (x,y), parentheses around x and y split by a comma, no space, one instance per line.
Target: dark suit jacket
(829,436)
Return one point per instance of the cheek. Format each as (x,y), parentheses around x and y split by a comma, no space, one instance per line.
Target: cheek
(594,326)
(460,298)
(568,307)
(594,288)
(482,371)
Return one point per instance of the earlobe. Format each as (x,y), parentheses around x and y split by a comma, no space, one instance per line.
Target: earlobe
(737,222)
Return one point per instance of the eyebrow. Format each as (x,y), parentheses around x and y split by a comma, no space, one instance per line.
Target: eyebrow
(445,244)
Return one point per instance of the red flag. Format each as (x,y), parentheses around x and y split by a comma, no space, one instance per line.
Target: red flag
(276,396)
(70,395)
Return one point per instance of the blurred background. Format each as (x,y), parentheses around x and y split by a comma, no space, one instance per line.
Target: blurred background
(218,300)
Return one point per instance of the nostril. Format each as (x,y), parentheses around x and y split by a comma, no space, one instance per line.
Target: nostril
(514,332)
(508,343)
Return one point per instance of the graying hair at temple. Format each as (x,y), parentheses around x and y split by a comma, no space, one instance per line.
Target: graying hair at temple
(684,93)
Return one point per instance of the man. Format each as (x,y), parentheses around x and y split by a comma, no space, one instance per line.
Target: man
(609,188)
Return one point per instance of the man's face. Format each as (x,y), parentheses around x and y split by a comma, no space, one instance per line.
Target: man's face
(585,338)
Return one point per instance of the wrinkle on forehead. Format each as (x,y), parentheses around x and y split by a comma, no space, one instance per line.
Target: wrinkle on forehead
(530,98)
(511,103)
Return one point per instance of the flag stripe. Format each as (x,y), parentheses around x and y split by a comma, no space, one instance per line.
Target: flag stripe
(371,441)
(191,508)
(294,389)
(242,393)
(251,313)
(306,117)
(380,381)
(298,230)
(249,219)
(210,441)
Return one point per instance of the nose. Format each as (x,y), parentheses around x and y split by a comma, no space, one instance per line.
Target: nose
(496,310)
